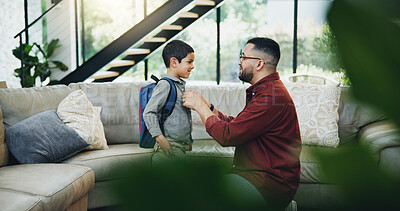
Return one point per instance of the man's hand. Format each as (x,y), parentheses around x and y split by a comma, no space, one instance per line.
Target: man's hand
(192,100)
(201,96)
(165,145)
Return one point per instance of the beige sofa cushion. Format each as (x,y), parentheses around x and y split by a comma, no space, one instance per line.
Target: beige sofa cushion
(310,167)
(77,112)
(107,164)
(380,135)
(57,185)
(20,103)
(11,200)
(210,148)
(3,146)
(354,115)
(317,111)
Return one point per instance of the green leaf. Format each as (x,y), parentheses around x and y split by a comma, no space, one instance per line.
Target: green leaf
(41,68)
(31,60)
(17,72)
(26,50)
(51,47)
(60,65)
(41,51)
(369,44)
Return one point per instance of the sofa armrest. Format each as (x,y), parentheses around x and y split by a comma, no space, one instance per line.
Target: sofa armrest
(390,161)
(380,136)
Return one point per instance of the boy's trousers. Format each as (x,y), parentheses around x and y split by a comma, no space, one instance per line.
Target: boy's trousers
(179,150)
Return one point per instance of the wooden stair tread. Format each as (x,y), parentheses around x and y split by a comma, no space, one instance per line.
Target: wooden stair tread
(188,15)
(137,51)
(120,63)
(204,3)
(105,74)
(155,39)
(172,27)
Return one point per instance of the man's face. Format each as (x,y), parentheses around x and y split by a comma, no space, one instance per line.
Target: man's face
(247,65)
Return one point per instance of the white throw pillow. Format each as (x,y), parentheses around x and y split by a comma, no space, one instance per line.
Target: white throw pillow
(79,113)
(317,111)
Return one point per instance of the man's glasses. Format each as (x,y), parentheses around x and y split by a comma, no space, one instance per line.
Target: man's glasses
(241,57)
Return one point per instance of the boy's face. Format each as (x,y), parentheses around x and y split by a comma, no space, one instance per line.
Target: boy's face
(184,68)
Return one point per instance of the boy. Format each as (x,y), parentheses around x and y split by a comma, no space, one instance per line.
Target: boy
(175,139)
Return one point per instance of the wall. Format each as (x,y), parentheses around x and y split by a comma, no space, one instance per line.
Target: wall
(61,25)
(11,23)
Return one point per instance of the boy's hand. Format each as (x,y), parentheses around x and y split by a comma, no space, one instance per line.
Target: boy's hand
(165,145)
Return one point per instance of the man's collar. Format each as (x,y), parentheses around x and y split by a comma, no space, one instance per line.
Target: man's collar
(271,77)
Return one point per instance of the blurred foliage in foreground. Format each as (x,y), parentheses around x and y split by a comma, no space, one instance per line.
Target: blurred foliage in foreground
(362,183)
(368,40)
(186,184)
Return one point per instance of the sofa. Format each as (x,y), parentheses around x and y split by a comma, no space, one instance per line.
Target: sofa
(85,180)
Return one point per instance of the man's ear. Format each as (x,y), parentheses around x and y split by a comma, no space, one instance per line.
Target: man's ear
(173,62)
(260,65)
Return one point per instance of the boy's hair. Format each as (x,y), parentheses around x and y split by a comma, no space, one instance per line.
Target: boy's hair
(177,49)
(267,46)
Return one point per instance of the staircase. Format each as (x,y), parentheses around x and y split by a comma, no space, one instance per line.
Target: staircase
(149,35)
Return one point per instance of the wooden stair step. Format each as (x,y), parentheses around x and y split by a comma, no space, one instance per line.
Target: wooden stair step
(188,15)
(204,3)
(137,51)
(120,63)
(172,27)
(105,74)
(155,39)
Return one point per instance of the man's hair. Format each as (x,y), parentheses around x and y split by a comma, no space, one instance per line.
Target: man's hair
(177,49)
(267,46)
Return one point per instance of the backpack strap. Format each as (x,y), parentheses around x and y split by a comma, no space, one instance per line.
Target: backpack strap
(154,78)
(170,104)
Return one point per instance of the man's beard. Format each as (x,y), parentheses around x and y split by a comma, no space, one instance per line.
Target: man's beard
(246,77)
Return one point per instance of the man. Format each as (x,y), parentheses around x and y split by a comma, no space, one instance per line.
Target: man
(266,133)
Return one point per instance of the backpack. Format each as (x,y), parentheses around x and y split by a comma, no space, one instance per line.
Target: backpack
(145,138)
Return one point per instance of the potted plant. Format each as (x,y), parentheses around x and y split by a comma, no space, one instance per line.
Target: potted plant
(37,63)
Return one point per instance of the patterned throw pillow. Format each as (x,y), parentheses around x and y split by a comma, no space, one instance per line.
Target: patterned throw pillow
(317,111)
(79,113)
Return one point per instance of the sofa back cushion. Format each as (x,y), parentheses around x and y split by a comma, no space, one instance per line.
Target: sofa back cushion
(229,98)
(3,146)
(354,115)
(120,108)
(20,103)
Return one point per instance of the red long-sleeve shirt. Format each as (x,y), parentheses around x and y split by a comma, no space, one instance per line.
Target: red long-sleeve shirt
(267,139)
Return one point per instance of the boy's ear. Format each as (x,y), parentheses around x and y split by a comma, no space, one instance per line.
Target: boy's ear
(173,62)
